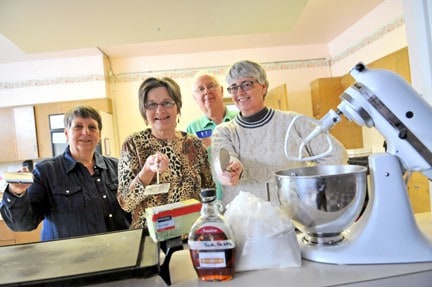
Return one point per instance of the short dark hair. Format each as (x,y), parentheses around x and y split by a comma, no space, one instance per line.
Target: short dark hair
(83,112)
(150,83)
(28,163)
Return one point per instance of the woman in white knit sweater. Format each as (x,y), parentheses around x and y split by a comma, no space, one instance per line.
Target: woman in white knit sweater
(255,139)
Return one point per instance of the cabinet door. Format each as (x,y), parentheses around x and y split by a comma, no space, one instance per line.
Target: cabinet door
(9,237)
(6,235)
(18,133)
(28,236)
(42,113)
(277,98)
(316,99)
(418,191)
(107,135)
(403,64)
(7,133)
(397,62)
(325,95)
(25,133)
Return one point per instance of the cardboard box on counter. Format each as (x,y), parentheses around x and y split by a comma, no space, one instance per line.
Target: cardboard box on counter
(172,220)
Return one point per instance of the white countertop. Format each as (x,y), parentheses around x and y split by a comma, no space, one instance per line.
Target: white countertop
(310,274)
(317,274)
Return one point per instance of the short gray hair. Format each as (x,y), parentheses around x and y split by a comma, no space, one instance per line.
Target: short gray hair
(247,69)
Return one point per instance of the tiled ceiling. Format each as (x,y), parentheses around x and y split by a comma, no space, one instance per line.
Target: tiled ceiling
(42,29)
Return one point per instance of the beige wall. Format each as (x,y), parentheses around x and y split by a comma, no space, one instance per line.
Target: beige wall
(295,74)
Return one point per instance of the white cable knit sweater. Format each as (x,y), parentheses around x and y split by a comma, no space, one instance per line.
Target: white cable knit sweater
(259,144)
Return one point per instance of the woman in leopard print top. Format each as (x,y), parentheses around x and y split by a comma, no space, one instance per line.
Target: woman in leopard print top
(181,158)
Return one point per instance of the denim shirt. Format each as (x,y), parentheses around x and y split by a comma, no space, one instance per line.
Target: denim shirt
(68,199)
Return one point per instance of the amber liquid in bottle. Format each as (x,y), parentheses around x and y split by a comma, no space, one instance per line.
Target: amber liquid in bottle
(211,243)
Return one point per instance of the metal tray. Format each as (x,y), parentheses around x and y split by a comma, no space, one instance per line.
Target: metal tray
(81,260)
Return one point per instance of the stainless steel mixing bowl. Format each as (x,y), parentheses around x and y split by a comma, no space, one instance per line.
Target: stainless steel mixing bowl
(322,201)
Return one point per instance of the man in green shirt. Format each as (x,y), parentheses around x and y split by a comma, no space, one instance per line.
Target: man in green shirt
(208,94)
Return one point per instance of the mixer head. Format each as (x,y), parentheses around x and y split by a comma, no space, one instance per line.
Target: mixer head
(322,128)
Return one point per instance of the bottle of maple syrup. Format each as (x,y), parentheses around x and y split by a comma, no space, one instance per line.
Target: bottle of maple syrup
(211,242)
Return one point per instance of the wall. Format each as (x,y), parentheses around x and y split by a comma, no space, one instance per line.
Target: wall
(53,80)
(295,66)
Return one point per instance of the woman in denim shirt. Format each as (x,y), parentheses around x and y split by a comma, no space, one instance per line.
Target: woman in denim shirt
(74,193)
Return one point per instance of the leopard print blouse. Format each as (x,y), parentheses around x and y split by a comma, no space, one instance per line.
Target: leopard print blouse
(189,172)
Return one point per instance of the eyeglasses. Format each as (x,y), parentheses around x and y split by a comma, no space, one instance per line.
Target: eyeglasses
(164,104)
(244,86)
(201,90)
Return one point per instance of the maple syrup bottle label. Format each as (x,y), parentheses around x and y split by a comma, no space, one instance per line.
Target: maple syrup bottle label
(211,244)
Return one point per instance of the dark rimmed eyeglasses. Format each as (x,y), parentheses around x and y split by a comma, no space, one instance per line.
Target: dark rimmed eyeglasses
(163,104)
(244,86)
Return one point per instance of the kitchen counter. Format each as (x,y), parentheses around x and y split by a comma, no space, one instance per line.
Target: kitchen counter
(309,274)
(113,251)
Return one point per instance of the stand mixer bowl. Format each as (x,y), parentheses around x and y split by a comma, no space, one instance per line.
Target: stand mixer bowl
(322,201)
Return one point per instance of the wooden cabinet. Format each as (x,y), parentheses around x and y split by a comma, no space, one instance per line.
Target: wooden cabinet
(397,62)
(325,93)
(7,152)
(18,133)
(9,237)
(277,98)
(42,112)
(418,191)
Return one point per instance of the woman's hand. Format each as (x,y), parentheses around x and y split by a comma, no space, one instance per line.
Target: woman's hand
(231,176)
(17,188)
(155,162)
(158,161)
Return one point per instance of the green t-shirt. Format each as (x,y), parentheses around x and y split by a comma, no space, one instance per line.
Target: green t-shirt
(204,123)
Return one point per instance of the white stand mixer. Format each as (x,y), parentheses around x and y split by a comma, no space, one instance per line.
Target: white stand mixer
(387,231)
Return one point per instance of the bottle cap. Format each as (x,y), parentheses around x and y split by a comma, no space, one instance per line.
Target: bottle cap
(208,194)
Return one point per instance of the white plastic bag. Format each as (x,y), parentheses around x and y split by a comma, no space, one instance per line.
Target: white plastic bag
(265,237)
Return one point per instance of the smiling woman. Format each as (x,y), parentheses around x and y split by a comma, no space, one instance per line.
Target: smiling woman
(160,152)
(73,194)
(252,166)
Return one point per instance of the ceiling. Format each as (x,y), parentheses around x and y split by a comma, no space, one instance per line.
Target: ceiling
(46,29)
